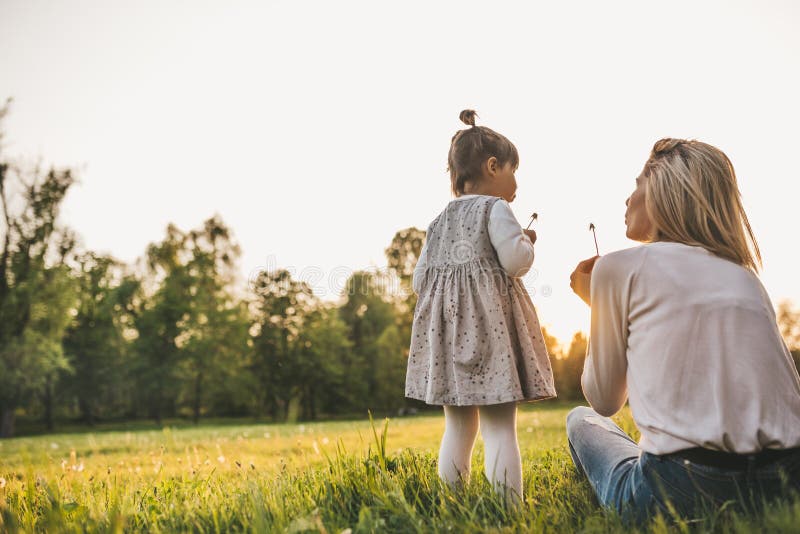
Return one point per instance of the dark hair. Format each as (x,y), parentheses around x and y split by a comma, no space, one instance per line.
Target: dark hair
(471,147)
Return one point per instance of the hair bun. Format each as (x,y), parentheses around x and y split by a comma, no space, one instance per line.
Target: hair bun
(665,145)
(468,117)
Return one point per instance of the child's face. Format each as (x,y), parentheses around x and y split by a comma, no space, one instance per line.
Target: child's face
(502,180)
(509,182)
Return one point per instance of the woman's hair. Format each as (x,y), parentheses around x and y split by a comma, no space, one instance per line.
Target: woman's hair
(692,198)
(471,147)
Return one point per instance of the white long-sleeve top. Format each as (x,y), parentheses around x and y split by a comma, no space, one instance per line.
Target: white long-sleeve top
(691,340)
(514,248)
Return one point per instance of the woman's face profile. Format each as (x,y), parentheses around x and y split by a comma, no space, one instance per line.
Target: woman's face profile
(638,223)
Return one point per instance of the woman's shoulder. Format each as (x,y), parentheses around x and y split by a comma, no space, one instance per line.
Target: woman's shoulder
(636,256)
(625,259)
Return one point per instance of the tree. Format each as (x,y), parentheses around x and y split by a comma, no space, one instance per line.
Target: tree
(95,343)
(33,292)
(402,255)
(214,334)
(367,312)
(279,308)
(159,320)
(321,377)
(571,368)
(789,324)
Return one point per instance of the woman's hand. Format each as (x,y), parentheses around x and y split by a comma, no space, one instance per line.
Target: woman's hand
(531,234)
(581,279)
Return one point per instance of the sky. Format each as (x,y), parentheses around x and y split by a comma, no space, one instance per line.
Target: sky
(316,130)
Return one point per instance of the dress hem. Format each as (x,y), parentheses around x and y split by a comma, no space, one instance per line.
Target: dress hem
(480,402)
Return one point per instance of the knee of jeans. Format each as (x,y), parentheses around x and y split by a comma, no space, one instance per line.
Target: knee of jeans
(576,416)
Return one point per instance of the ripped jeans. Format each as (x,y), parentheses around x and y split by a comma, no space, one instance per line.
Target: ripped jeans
(638,484)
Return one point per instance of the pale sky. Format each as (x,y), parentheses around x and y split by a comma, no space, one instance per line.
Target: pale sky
(318,129)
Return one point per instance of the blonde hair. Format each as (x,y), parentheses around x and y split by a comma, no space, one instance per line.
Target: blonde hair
(692,197)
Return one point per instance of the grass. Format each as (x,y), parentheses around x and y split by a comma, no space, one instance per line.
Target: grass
(319,477)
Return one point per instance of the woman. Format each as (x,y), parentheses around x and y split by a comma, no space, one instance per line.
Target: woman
(683,329)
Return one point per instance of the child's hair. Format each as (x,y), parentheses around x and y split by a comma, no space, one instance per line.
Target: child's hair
(692,197)
(471,147)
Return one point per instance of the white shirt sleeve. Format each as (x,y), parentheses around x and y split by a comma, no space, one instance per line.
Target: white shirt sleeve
(604,379)
(419,269)
(514,248)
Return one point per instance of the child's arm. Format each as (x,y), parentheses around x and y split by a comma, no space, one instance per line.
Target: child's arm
(514,248)
(419,269)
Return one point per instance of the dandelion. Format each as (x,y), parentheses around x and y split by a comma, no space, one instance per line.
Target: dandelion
(221,459)
(591,227)
(2,482)
(325,441)
(534,217)
(54,445)
(267,435)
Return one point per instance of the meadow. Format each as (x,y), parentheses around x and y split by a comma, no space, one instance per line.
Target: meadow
(334,477)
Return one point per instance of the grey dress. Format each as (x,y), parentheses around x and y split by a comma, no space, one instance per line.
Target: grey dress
(475,339)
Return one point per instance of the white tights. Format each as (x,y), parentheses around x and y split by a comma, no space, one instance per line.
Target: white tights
(498,425)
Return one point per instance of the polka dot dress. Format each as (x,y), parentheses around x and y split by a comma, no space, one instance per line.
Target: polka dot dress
(475,338)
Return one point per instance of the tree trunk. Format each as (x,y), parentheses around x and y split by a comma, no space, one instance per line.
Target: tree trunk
(48,404)
(157,404)
(7,422)
(86,410)
(311,402)
(198,391)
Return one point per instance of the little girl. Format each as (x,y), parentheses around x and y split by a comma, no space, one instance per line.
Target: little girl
(476,344)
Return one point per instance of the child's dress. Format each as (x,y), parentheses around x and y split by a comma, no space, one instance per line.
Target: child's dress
(475,339)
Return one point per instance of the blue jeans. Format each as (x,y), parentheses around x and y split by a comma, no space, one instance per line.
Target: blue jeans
(638,485)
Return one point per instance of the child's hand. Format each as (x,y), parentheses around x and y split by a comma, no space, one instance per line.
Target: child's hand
(581,279)
(531,234)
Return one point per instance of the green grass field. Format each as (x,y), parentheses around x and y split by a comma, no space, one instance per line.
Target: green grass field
(319,477)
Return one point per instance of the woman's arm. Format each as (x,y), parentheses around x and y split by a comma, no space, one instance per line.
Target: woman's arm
(514,248)
(604,373)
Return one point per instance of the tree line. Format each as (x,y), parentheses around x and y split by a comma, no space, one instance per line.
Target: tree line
(178,334)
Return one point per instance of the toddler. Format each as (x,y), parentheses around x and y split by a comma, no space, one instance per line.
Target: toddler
(476,344)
